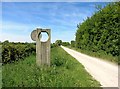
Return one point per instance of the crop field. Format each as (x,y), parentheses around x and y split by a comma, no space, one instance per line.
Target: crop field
(65,71)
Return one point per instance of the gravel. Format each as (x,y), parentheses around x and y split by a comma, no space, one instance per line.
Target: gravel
(104,72)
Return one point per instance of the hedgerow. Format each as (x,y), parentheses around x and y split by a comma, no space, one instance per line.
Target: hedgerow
(15,51)
(101,31)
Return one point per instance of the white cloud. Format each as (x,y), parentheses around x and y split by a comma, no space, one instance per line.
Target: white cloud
(15,38)
(16,32)
(0,26)
(11,26)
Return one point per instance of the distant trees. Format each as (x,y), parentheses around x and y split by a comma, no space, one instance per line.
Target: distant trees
(58,42)
(72,43)
(101,31)
(53,45)
(65,43)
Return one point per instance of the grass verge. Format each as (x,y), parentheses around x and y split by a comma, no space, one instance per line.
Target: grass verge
(101,54)
(65,71)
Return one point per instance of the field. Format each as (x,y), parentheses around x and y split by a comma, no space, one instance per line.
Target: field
(65,71)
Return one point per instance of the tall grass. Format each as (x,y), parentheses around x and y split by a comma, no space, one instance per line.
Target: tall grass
(65,71)
(99,54)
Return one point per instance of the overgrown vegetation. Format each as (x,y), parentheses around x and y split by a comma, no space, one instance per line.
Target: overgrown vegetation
(11,51)
(100,33)
(65,43)
(65,71)
(15,51)
(72,43)
(58,42)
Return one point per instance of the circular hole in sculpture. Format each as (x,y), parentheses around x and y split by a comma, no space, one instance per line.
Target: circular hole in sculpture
(43,36)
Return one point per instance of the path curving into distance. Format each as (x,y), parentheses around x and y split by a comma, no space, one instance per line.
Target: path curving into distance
(104,72)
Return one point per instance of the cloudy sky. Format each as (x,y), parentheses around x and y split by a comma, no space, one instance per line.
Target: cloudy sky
(21,18)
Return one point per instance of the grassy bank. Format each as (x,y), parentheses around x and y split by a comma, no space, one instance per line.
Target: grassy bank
(65,71)
(0,76)
(100,54)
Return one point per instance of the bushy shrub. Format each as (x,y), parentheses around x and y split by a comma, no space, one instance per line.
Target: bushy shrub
(65,43)
(15,51)
(53,45)
(72,43)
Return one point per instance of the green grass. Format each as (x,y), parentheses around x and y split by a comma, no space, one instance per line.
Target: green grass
(65,71)
(0,75)
(101,54)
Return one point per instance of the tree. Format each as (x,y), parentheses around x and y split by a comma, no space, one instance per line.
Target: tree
(72,43)
(65,43)
(58,42)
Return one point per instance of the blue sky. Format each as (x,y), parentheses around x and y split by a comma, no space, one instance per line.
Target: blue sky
(21,18)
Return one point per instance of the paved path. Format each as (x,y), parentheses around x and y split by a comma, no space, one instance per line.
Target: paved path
(104,72)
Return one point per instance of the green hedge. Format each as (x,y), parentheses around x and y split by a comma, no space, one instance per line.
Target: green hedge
(15,51)
(101,31)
